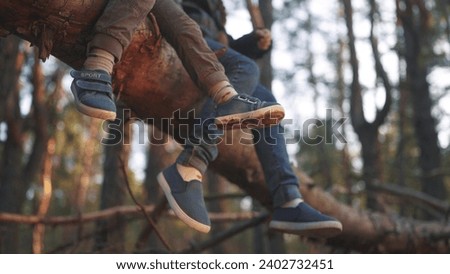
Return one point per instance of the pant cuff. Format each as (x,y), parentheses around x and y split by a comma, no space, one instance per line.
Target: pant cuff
(285,193)
(187,159)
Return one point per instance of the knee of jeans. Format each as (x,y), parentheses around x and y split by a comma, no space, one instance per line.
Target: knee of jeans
(250,72)
(245,66)
(252,69)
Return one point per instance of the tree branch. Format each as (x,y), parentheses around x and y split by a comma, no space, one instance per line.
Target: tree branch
(414,197)
(197,248)
(381,72)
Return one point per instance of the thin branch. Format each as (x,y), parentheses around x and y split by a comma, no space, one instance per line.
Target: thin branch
(71,220)
(255,15)
(415,196)
(381,72)
(142,208)
(356,102)
(197,248)
(129,211)
(217,217)
(155,215)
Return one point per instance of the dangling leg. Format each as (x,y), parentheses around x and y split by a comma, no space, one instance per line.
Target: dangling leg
(291,214)
(182,181)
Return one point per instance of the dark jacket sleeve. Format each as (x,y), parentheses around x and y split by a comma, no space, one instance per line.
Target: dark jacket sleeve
(248,46)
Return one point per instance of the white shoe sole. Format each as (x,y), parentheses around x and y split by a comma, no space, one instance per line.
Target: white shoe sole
(268,116)
(177,209)
(90,111)
(316,230)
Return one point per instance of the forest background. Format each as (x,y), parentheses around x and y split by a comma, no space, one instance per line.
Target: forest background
(378,68)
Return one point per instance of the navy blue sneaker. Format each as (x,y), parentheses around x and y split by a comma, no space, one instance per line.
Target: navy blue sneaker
(93,93)
(304,220)
(185,199)
(246,111)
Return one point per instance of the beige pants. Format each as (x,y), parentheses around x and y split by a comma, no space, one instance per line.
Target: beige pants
(115,27)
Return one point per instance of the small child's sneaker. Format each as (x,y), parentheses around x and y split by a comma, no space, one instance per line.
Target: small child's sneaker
(93,93)
(244,111)
(185,199)
(304,220)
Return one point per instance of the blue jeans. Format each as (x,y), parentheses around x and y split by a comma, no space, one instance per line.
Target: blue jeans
(269,142)
(199,148)
(242,71)
(270,146)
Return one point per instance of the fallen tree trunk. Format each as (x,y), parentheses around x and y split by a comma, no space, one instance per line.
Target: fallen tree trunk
(372,232)
(150,78)
(151,81)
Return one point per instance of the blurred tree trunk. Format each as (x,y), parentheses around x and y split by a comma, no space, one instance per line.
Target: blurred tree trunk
(264,63)
(416,23)
(217,185)
(323,157)
(41,159)
(38,245)
(153,191)
(10,169)
(19,169)
(110,235)
(401,153)
(148,240)
(345,155)
(275,242)
(367,131)
(162,152)
(88,158)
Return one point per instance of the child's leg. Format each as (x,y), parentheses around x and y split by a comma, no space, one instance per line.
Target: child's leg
(242,71)
(181,182)
(291,214)
(270,146)
(112,34)
(115,27)
(201,63)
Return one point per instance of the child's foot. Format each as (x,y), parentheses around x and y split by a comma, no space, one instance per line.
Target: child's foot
(185,199)
(304,220)
(248,112)
(93,93)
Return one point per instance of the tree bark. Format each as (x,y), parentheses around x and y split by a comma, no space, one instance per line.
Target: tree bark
(415,32)
(10,171)
(117,150)
(17,174)
(367,131)
(162,152)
